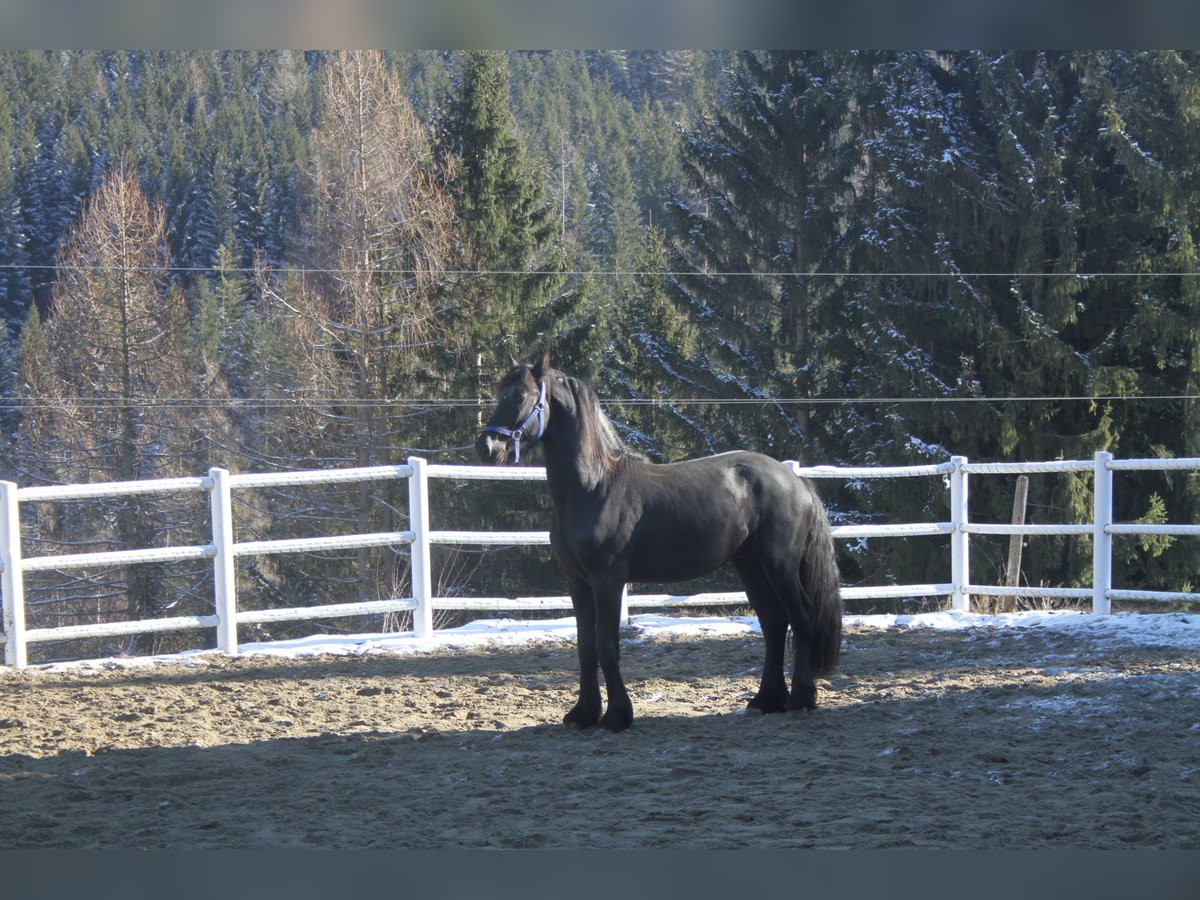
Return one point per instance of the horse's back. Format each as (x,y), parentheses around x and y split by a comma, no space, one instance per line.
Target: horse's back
(690,517)
(735,472)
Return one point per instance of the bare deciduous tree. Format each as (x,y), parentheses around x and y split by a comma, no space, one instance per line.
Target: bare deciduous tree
(105,380)
(378,229)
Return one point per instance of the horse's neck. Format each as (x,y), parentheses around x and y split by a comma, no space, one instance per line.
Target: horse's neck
(567,470)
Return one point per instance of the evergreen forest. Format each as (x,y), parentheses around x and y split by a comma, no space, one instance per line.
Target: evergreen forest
(287,260)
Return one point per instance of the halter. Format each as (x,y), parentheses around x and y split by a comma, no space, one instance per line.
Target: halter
(515,434)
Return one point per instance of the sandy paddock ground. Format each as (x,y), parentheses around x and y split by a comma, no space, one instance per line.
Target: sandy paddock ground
(980,738)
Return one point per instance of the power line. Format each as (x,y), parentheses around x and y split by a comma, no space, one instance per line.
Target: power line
(608,273)
(434,404)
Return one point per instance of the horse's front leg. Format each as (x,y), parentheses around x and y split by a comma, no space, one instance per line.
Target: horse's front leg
(586,712)
(607,594)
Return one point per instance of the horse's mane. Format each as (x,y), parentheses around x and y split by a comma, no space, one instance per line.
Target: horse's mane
(600,447)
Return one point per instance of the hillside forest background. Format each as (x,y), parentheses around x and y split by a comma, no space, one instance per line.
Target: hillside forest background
(288,260)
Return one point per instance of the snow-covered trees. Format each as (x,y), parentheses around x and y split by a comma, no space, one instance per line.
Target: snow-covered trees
(863,257)
(915,227)
(14,275)
(768,173)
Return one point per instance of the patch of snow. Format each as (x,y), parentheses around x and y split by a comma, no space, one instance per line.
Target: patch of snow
(1177,630)
(1180,630)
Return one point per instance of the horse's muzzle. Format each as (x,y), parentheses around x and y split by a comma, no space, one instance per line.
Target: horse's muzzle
(492,449)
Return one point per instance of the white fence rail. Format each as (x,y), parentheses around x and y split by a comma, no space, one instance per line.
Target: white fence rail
(224,551)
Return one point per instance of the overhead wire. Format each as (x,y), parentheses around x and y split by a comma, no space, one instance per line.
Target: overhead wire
(448,403)
(434,403)
(619,273)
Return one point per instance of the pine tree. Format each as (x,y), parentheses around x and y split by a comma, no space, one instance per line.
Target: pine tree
(505,224)
(15,288)
(974,164)
(287,152)
(768,178)
(10,418)
(1139,331)
(650,361)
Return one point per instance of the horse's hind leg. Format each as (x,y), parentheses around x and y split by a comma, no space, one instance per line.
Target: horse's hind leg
(772,693)
(782,572)
(804,688)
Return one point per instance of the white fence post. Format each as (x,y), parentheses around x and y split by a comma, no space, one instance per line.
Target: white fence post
(224,569)
(960,559)
(1101,537)
(12,580)
(418,523)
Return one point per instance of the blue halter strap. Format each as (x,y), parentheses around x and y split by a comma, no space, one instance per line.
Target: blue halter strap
(515,434)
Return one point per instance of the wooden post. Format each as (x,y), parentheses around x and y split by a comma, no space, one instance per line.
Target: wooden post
(1012,573)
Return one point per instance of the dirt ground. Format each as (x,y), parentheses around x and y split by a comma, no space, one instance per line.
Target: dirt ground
(923,738)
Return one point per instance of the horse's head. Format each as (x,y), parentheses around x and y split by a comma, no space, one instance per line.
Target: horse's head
(522,410)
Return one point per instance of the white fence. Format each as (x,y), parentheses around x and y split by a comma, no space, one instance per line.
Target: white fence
(224,550)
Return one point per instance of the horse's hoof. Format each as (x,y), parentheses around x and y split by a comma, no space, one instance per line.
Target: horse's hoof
(615,722)
(802,701)
(751,712)
(581,719)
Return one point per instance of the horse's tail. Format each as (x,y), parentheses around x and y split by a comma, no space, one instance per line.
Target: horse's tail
(822,593)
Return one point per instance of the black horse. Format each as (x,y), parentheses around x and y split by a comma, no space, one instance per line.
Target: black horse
(619,518)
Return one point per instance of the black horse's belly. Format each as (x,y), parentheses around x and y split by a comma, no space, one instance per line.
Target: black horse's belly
(640,545)
(677,562)
(682,533)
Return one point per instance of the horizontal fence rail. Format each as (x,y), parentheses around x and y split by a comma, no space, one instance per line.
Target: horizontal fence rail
(224,551)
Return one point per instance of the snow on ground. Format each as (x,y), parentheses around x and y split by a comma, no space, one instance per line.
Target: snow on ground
(1179,630)
(1147,629)
(497,632)
(1143,629)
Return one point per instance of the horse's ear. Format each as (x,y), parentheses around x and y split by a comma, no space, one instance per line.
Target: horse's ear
(542,366)
(512,362)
